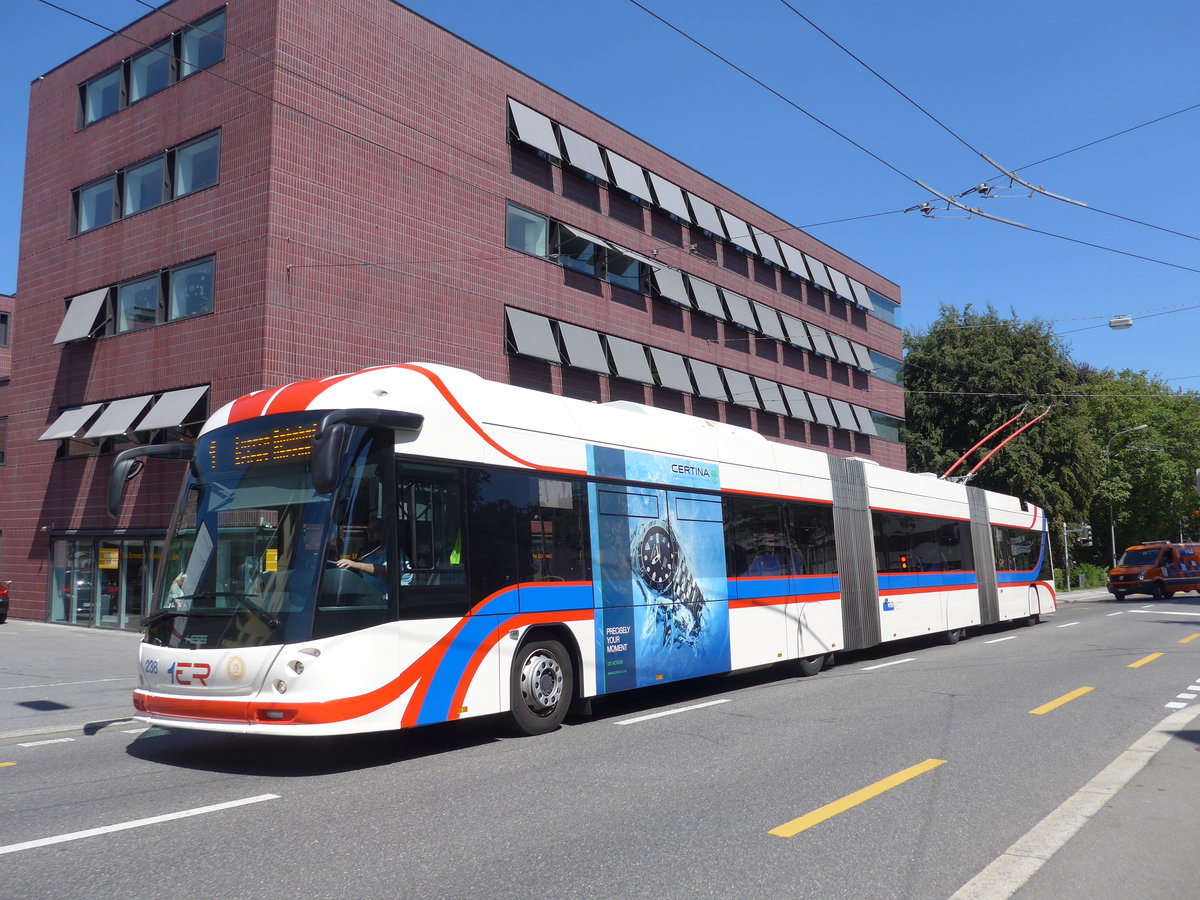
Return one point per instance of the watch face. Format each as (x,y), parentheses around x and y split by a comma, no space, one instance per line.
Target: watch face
(657,556)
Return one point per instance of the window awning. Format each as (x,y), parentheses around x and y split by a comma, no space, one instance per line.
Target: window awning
(844,414)
(866,423)
(708,380)
(768,247)
(820,339)
(822,410)
(629,359)
(795,260)
(708,300)
(861,296)
(628,176)
(70,422)
(739,232)
(84,312)
(572,231)
(584,350)
(740,310)
(706,216)
(797,402)
(741,388)
(117,418)
(670,286)
(670,197)
(672,370)
(841,346)
(863,355)
(797,334)
(772,398)
(533,128)
(768,321)
(583,153)
(820,275)
(841,284)
(530,335)
(174,408)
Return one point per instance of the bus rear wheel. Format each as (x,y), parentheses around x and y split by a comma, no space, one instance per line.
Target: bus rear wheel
(542,686)
(811,665)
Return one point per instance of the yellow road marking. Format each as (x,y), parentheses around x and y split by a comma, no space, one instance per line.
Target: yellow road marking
(1145,659)
(829,810)
(1189,638)
(1055,704)
(2,765)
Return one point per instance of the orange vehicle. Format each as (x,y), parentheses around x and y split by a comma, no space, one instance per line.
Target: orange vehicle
(1157,568)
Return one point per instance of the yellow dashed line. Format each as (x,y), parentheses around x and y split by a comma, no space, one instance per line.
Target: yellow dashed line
(1055,704)
(1189,638)
(829,810)
(1145,659)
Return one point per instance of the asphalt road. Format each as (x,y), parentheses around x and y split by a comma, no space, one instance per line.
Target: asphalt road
(903,772)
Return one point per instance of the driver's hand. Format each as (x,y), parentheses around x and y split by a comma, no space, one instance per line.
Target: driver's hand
(345,563)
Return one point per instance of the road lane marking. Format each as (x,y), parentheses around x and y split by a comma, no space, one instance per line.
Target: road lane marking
(1189,638)
(893,663)
(43,743)
(1067,625)
(1156,612)
(136,823)
(1145,659)
(2,765)
(1016,865)
(829,810)
(670,712)
(26,687)
(1185,696)
(1175,705)
(998,640)
(1194,687)
(1055,704)
(1110,615)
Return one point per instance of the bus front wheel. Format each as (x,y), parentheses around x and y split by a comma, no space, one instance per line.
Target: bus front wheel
(542,686)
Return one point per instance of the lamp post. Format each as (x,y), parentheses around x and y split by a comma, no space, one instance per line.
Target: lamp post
(1112,524)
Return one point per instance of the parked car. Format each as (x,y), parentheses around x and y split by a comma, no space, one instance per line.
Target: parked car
(4,601)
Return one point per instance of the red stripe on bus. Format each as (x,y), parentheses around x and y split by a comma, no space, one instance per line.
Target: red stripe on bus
(752,602)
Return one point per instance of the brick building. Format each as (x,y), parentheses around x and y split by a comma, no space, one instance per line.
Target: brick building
(222,198)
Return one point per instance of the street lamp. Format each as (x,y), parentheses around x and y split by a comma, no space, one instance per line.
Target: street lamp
(1112,525)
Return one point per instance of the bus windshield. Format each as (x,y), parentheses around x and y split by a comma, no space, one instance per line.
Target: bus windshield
(252,540)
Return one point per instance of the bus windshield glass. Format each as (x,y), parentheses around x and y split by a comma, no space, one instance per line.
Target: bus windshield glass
(252,538)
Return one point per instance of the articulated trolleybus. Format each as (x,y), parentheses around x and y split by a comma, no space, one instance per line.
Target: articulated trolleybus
(413,544)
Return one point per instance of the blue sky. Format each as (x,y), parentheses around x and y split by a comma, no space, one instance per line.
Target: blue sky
(1019,82)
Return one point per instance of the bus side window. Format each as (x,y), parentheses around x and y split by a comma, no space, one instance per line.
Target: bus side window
(431,540)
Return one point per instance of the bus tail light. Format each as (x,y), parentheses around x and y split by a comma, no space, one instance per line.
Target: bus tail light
(276,715)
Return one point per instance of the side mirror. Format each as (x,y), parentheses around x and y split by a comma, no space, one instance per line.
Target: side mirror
(129,464)
(332,441)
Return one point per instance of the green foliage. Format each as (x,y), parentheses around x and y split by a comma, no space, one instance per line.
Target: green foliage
(1084,462)
(1093,576)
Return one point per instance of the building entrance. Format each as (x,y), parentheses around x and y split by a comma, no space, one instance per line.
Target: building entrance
(103,580)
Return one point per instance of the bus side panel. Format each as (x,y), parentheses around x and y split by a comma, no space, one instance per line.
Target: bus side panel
(757,620)
(816,620)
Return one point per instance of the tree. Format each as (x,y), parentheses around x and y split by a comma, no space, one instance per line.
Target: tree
(969,372)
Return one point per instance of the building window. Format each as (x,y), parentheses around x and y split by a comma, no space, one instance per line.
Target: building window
(138,304)
(202,44)
(577,253)
(627,272)
(195,47)
(191,290)
(143,186)
(889,427)
(885,309)
(4,320)
(887,368)
(180,171)
(196,165)
(525,231)
(151,71)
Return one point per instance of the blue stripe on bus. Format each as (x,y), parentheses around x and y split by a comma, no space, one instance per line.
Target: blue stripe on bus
(759,588)
(477,628)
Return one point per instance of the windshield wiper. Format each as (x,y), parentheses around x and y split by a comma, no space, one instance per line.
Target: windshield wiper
(244,602)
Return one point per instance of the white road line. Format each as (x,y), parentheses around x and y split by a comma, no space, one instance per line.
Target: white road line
(26,687)
(1194,687)
(1067,625)
(1148,606)
(1110,615)
(43,743)
(1163,612)
(998,640)
(671,712)
(893,663)
(1185,696)
(1013,868)
(136,823)
(1175,705)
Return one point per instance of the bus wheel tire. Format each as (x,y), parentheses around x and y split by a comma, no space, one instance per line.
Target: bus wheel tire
(1034,619)
(1158,592)
(542,686)
(811,665)
(954,635)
